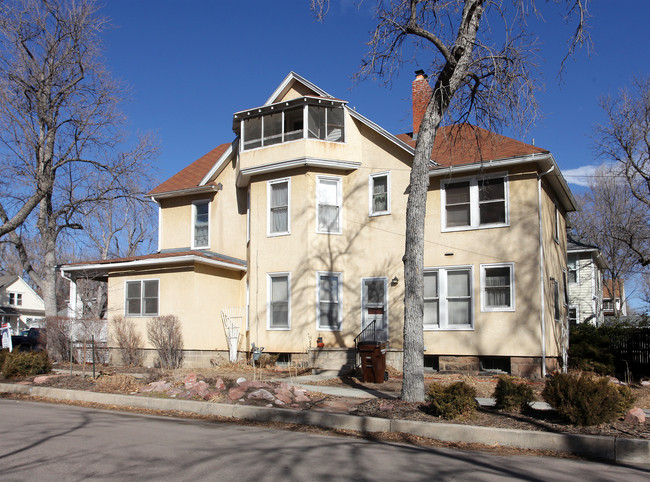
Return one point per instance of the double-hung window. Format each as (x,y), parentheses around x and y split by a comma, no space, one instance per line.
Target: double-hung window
(379,193)
(498,287)
(16,299)
(328,205)
(556,299)
(448,298)
(328,301)
(141,298)
(556,225)
(201,224)
(474,203)
(573,267)
(279,301)
(278,194)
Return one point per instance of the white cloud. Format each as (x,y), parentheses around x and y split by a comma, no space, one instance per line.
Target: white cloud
(581,176)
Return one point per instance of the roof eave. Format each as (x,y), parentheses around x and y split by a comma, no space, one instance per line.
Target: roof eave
(104,268)
(544,159)
(183,192)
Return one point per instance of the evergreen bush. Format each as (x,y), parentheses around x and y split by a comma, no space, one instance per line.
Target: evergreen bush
(512,394)
(586,399)
(453,401)
(26,364)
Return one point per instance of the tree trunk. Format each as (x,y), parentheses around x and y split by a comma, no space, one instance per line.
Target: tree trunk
(413,381)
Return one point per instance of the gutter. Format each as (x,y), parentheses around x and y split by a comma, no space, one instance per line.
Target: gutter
(184,192)
(541,266)
(159,261)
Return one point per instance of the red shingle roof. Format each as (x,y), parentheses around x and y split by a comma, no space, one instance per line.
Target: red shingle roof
(467,144)
(191,176)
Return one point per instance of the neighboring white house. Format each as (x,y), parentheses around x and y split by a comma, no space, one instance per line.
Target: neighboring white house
(585,267)
(20,305)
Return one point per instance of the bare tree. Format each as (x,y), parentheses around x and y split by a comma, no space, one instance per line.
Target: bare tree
(481,71)
(609,214)
(625,139)
(61,126)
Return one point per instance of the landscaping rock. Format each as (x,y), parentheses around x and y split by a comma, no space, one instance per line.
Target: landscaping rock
(261,394)
(190,380)
(240,380)
(279,402)
(253,384)
(236,393)
(41,379)
(636,415)
(284,395)
(219,384)
(159,386)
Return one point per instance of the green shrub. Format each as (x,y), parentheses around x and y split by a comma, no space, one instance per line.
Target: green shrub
(512,394)
(3,354)
(586,399)
(26,364)
(590,349)
(453,401)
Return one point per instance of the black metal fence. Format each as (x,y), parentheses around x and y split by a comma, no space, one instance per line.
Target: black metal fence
(631,349)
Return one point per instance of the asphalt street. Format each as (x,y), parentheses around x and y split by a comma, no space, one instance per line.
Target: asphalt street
(58,442)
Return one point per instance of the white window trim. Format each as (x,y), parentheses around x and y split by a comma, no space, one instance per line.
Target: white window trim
(339,275)
(473,202)
(371,179)
(194,203)
(269,276)
(484,307)
(248,215)
(339,195)
(141,315)
(364,304)
(577,308)
(442,300)
(16,295)
(268,207)
(577,270)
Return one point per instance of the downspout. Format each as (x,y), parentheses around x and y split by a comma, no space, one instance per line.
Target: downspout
(541,266)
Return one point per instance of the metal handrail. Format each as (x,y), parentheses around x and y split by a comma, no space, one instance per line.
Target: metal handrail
(363,336)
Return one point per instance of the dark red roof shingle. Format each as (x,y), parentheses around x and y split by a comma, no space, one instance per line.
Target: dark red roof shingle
(192,175)
(468,144)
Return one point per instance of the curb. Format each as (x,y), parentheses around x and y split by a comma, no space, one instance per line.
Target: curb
(622,450)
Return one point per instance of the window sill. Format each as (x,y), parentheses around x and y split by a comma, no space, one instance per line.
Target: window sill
(275,235)
(383,213)
(330,232)
(498,310)
(329,330)
(270,328)
(460,328)
(474,228)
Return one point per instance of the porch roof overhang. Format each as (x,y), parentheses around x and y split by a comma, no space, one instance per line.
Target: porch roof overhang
(99,270)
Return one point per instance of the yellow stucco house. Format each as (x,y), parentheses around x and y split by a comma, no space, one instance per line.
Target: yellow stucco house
(299,224)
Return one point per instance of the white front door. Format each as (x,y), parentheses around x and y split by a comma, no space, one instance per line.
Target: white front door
(374,307)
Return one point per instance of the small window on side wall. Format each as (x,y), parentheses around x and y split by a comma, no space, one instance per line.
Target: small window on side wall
(201,224)
(141,298)
(279,301)
(379,194)
(328,205)
(498,287)
(278,193)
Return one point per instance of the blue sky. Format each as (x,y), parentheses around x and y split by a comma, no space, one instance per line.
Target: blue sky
(192,64)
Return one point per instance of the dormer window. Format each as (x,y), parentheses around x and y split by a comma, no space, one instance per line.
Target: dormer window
(286,122)
(201,224)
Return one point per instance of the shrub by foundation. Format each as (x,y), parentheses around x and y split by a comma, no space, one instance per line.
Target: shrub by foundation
(128,340)
(512,394)
(165,334)
(26,364)
(452,401)
(586,399)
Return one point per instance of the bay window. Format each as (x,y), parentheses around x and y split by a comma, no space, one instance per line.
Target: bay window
(279,301)
(279,212)
(328,204)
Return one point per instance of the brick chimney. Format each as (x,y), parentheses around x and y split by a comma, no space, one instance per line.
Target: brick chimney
(421,95)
